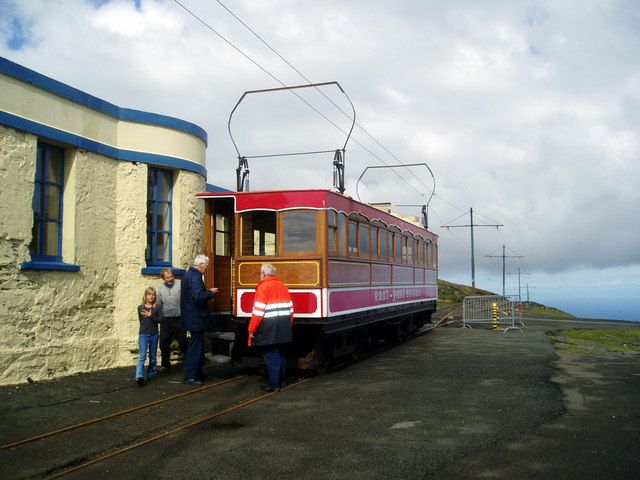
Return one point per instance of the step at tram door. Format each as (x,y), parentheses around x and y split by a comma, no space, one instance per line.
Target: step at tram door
(218,240)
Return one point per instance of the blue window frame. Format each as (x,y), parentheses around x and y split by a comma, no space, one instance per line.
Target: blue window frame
(46,240)
(159,217)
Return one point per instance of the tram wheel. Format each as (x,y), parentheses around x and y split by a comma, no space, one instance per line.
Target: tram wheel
(322,368)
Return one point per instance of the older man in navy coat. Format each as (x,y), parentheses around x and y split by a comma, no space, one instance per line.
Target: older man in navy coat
(195,317)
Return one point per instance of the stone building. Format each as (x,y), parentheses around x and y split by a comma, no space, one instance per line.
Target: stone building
(94,200)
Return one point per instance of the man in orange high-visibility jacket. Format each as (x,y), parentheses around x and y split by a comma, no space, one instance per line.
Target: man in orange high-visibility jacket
(270,325)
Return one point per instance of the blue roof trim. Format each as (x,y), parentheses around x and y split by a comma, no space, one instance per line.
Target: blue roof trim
(15,70)
(106,150)
(210,187)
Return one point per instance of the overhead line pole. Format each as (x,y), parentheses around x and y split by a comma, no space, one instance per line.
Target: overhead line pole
(473,256)
(503,256)
(519,273)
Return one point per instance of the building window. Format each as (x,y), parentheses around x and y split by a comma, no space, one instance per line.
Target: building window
(48,194)
(159,200)
(46,240)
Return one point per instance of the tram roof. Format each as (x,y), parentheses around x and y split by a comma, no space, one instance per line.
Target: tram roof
(280,200)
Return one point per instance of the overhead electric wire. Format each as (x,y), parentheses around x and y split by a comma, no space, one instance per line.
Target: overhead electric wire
(449,231)
(487,218)
(445,224)
(282,83)
(257,64)
(228,42)
(319,90)
(449,203)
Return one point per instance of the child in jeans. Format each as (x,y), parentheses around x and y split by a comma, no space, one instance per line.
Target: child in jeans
(149,315)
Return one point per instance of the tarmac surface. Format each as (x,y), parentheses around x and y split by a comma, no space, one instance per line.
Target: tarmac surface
(450,404)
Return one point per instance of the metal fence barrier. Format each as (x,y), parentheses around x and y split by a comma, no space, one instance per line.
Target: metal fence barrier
(494,311)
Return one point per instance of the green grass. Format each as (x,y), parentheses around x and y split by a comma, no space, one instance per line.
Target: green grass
(596,341)
(548,312)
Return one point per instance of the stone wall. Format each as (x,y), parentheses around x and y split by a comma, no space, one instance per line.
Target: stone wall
(55,323)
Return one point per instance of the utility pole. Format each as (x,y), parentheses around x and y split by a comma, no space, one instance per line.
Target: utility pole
(519,273)
(503,256)
(473,255)
(528,291)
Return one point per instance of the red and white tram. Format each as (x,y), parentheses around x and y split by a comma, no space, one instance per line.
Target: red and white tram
(357,274)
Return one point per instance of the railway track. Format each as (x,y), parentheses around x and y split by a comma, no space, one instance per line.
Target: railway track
(62,451)
(119,413)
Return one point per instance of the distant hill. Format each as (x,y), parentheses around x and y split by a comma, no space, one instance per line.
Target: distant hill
(453,293)
(451,296)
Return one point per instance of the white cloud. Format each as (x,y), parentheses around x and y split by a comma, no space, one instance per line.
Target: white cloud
(526,112)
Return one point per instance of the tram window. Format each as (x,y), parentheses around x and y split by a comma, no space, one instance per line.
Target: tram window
(342,234)
(332,231)
(222,235)
(353,238)
(384,236)
(398,240)
(259,233)
(364,240)
(429,255)
(392,243)
(423,253)
(299,232)
(435,256)
(374,242)
(405,250)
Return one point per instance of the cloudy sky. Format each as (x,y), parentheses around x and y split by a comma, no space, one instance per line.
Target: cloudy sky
(526,111)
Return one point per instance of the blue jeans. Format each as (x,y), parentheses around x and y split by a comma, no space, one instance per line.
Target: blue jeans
(147,342)
(275,361)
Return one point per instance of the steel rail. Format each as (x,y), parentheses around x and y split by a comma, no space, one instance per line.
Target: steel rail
(76,426)
(186,426)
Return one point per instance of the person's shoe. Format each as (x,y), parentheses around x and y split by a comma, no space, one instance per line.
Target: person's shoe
(140,381)
(151,378)
(269,388)
(163,369)
(193,382)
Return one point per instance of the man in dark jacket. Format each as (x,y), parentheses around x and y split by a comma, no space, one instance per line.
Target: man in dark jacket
(270,325)
(195,317)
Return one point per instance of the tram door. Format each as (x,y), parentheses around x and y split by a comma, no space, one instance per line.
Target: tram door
(218,238)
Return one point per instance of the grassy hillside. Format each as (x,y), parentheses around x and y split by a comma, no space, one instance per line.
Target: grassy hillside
(452,294)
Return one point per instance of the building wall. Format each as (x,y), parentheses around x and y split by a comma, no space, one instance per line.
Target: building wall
(60,322)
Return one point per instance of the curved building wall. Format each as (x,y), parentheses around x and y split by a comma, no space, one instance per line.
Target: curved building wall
(79,313)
